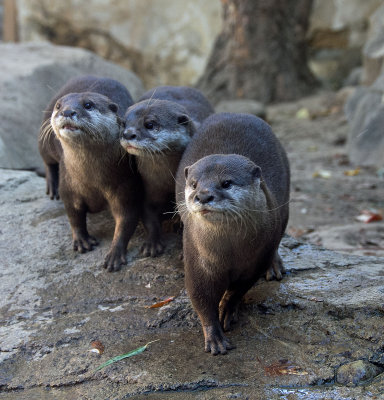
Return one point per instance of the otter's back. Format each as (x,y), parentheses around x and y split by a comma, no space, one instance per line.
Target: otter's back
(193,100)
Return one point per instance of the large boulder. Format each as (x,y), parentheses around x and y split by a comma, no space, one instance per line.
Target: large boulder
(373,50)
(365,113)
(30,76)
(163,42)
(337,33)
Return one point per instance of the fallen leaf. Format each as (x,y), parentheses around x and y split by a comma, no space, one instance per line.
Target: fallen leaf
(161,303)
(97,347)
(122,356)
(368,216)
(284,367)
(322,173)
(352,172)
(303,113)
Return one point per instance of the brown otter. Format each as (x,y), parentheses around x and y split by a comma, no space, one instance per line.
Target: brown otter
(85,164)
(158,128)
(232,193)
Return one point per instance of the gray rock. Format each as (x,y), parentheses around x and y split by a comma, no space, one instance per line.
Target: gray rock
(30,76)
(373,49)
(357,372)
(242,106)
(365,113)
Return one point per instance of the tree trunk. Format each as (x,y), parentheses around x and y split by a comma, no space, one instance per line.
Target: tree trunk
(260,53)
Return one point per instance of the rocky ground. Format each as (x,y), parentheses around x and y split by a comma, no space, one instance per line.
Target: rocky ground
(317,334)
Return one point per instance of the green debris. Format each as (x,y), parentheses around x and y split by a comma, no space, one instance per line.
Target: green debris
(122,356)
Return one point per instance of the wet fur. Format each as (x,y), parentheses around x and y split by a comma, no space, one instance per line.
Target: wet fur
(87,166)
(175,112)
(224,255)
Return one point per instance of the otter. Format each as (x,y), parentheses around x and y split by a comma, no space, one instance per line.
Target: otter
(84,162)
(157,130)
(232,190)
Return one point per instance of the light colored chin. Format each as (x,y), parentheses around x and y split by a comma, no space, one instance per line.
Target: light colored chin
(69,134)
(133,150)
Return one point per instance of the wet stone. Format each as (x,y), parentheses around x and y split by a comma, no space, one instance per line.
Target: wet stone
(357,372)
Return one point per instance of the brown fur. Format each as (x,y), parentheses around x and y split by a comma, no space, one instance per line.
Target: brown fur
(158,128)
(81,142)
(232,194)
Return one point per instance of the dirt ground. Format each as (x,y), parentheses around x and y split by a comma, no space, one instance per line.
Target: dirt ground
(323,210)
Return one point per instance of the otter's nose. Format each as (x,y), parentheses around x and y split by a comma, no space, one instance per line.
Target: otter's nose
(68,113)
(204,197)
(129,134)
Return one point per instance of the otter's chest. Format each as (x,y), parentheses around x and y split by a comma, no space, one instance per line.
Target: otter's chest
(158,177)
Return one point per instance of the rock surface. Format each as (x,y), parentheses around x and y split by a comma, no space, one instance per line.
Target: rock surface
(30,76)
(163,42)
(357,372)
(373,50)
(291,338)
(365,113)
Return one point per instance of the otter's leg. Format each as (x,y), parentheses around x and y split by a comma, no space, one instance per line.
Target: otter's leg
(153,246)
(205,295)
(81,239)
(276,269)
(229,304)
(52,179)
(126,215)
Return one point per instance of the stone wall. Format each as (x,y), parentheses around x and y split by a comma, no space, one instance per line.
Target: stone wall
(337,34)
(162,41)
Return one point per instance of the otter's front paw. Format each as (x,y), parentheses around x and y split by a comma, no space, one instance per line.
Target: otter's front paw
(215,341)
(114,260)
(84,243)
(153,249)
(276,269)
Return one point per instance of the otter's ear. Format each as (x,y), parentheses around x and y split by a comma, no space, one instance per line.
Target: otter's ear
(186,169)
(113,107)
(256,173)
(183,119)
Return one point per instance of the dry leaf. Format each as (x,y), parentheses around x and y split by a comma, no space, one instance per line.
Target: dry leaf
(322,173)
(284,367)
(303,113)
(352,172)
(97,347)
(161,303)
(368,216)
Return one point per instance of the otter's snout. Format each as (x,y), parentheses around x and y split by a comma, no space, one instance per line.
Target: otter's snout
(129,134)
(204,197)
(69,113)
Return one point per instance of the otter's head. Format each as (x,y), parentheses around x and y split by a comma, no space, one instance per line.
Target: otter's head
(156,126)
(221,188)
(82,118)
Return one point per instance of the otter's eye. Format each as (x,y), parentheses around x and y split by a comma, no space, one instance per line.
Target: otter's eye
(149,125)
(226,184)
(88,105)
(58,105)
(193,184)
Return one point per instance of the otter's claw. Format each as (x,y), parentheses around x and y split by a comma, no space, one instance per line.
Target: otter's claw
(215,341)
(82,244)
(114,260)
(152,249)
(276,270)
